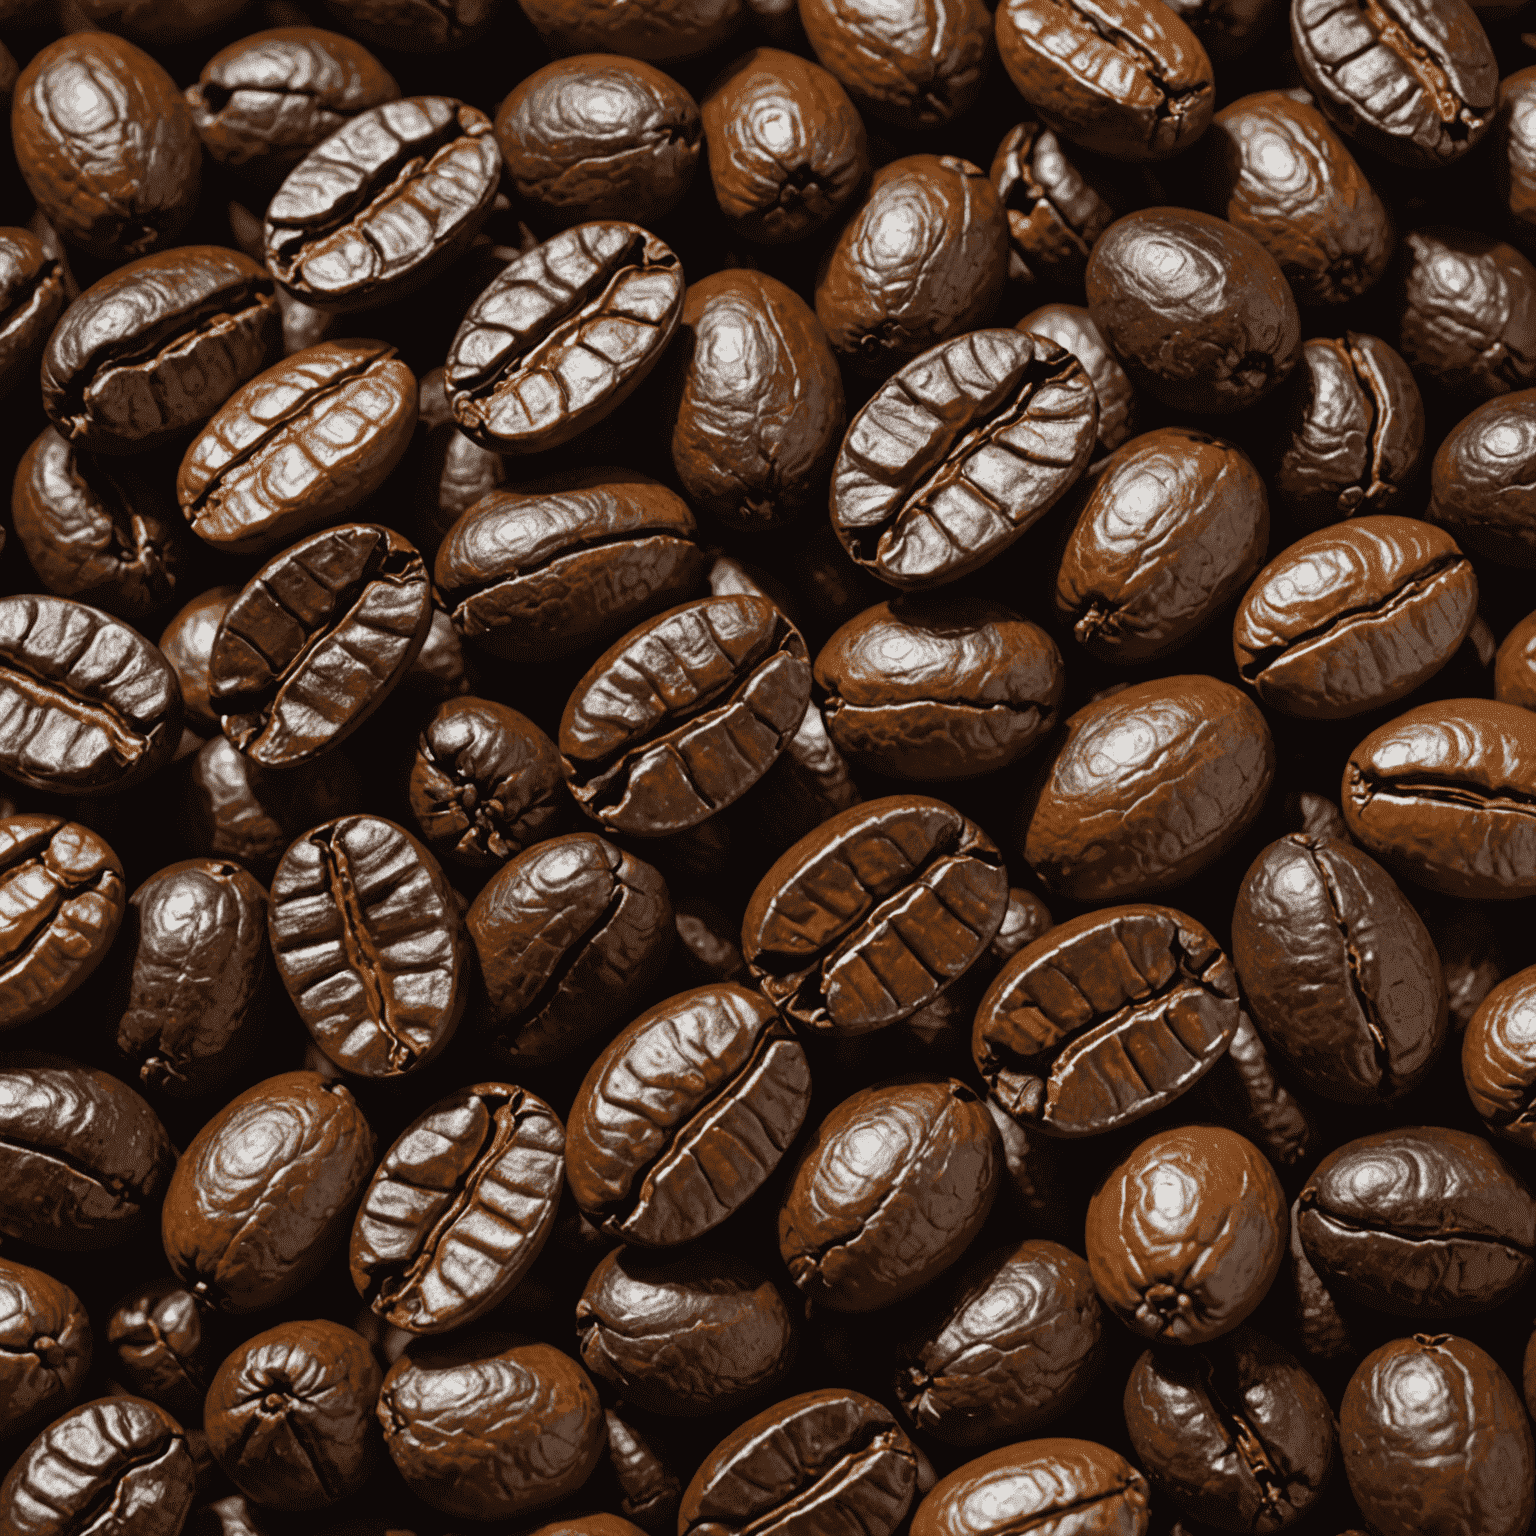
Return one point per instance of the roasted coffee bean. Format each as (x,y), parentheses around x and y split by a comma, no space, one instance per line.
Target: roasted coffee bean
(682,30)
(1127,79)
(45,1348)
(873,914)
(1423,1222)
(369,945)
(1413,80)
(491,1430)
(889,1192)
(235,809)
(1146,788)
(1026,919)
(1442,795)
(599,137)
(187,643)
(451,472)
(1243,1092)
(94,529)
(316,640)
(83,1157)
(61,901)
(1015,1345)
(1195,308)
(903,61)
(1498,1059)
(935,689)
(384,205)
(260,1200)
(1355,432)
(1353,617)
(1481,481)
(684,1115)
(787,148)
(571,935)
(1467,307)
(196,963)
(415,26)
(263,103)
(1054,1487)
(1070,326)
(156,23)
(1104,1019)
(759,413)
(459,1208)
(830,1460)
(32,297)
(1186,1233)
(541,573)
(87,705)
(682,716)
(485,783)
(160,1347)
(960,453)
(1434,1437)
(115,1464)
(650,1491)
(1279,172)
(157,346)
(1237,1434)
(289,1415)
(564,334)
(1174,527)
(691,1336)
(300,446)
(106,145)
(1514,156)
(923,258)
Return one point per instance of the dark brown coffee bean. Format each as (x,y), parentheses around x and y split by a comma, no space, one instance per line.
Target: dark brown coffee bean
(650,1489)
(459,1208)
(300,446)
(32,297)
(87,705)
(187,643)
(45,1348)
(1481,479)
(61,901)
(161,1348)
(564,335)
(157,346)
(872,915)
(1472,955)
(1243,1092)
(1498,1059)
(156,23)
(960,453)
(415,26)
(1104,1019)
(83,1157)
(1071,326)
(384,205)
(1514,156)
(680,1120)
(261,1198)
(1423,1222)
(684,29)
(830,1460)
(316,641)
(106,145)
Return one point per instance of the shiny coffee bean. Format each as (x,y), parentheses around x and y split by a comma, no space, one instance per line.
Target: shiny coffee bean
(161,1348)
(1498,1059)
(187,643)
(45,1348)
(1480,481)
(649,1489)
(1513,158)
(32,297)
(1104,1019)
(415,26)
(684,1115)
(1071,326)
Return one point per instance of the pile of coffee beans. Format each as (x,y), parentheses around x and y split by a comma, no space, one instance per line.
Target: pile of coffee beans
(768,767)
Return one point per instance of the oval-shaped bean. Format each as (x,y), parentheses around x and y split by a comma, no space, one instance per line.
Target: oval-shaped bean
(32,297)
(1071,326)
(162,1346)
(680,1120)
(1104,1019)
(1480,481)
(1498,1059)
(563,335)
(960,453)
(45,1348)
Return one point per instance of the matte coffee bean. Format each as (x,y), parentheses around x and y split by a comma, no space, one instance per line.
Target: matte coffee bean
(316,640)
(1480,481)
(1424,1222)
(84,1158)
(959,454)
(61,901)
(162,1348)
(831,1460)
(890,1191)
(1016,1345)
(1146,788)
(384,205)
(571,934)
(565,334)
(1104,1019)
(32,297)
(683,1116)
(45,1348)
(1071,326)
(697,1335)
(1498,1059)
(459,1208)
(869,917)
(294,1150)
(1186,1233)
